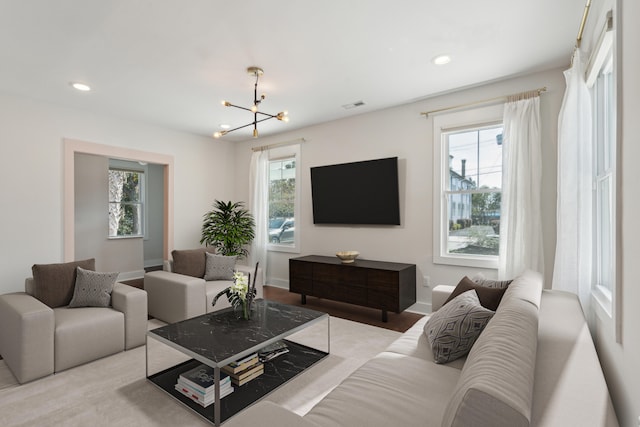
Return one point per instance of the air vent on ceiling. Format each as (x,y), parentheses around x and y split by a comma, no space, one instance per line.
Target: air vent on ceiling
(353,105)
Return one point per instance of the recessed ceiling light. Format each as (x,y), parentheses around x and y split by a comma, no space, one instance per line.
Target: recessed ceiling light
(80,86)
(441,59)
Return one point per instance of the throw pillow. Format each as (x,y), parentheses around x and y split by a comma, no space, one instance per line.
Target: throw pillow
(219,267)
(479,279)
(489,297)
(190,262)
(452,330)
(53,284)
(93,289)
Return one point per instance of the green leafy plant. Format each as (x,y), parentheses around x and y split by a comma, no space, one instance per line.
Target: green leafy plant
(229,227)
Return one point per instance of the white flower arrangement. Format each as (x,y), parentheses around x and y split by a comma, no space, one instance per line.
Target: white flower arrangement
(239,294)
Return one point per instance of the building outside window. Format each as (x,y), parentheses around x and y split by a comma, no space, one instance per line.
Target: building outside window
(126,203)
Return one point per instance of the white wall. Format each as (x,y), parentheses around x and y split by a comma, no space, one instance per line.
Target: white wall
(31,173)
(402,132)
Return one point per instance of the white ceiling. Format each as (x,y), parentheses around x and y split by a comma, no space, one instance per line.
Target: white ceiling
(171,62)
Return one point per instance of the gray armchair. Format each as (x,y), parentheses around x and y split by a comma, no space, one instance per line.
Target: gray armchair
(37,340)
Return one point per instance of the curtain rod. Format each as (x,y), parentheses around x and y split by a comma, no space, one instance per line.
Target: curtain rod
(585,14)
(484,101)
(278,144)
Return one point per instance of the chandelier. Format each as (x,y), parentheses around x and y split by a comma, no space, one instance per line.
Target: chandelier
(282,116)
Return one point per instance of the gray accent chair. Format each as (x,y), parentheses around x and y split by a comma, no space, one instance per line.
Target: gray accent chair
(36,340)
(174,297)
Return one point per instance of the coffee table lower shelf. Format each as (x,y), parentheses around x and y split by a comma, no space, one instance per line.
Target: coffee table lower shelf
(276,373)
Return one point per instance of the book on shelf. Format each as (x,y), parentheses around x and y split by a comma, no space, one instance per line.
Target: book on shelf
(249,371)
(203,399)
(201,379)
(245,379)
(235,367)
(272,351)
(210,393)
(244,360)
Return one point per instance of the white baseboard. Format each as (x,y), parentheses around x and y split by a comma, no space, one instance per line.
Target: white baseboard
(153,262)
(130,275)
(420,308)
(278,283)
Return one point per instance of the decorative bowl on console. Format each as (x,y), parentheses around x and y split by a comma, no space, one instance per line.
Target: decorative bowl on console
(347,256)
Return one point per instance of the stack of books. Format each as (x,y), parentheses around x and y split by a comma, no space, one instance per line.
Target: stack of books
(244,370)
(198,385)
(272,351)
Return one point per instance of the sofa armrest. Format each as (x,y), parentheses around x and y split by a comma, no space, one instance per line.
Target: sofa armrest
(133,303)
(269,414)
(439,295)
(26,336)
(173,297)
(259,281)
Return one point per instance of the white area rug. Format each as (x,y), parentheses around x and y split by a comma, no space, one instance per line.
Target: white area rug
(115,392)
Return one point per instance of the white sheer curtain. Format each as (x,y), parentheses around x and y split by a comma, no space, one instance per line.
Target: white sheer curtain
(573,264)
(259,206)
(520,222)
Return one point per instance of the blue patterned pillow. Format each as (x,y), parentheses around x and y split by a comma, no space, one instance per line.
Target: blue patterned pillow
(454,328)
(93,289)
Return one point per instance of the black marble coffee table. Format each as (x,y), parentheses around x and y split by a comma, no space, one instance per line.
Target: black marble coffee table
(218,338)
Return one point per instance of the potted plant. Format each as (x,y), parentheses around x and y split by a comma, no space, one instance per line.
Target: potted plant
(229,227)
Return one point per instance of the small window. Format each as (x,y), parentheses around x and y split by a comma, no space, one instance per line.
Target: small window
(468,196)
(283,200)
(126,203)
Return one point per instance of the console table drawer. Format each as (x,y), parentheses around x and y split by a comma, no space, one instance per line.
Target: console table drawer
(340,292)
(383,300)
(339,274)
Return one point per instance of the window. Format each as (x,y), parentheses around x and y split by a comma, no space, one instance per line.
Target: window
(126,203)
(468,181)
(603,92)
(283,199)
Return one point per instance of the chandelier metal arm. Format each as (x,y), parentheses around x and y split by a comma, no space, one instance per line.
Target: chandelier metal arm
(248,124)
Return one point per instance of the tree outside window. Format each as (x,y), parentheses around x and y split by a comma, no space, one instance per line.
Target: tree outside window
(125,203)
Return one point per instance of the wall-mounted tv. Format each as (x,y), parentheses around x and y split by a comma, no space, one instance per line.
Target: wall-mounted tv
(363,192)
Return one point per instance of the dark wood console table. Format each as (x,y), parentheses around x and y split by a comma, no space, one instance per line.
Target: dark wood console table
(375,284)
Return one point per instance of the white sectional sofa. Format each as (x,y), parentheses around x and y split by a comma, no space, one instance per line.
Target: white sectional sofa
(533,365)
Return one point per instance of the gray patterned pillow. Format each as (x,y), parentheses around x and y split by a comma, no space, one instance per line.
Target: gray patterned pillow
(454,328)
(93,289)
(219,267)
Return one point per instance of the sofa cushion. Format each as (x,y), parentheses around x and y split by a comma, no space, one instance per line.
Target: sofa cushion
(526,287)
(85,334)
(219,267)
(454,328)
(388,390)
(190,262)
(93,289)
(54,283)
(489,297)
(496,382)
(479,279)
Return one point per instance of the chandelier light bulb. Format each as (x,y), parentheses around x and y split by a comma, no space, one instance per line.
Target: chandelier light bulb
(254,108)
(226,103)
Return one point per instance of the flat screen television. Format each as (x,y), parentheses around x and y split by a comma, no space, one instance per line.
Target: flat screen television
(363,192)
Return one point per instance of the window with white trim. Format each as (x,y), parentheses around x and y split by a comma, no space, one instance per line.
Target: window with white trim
(601,76)
(284,176)
(126,202)
(468,187)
